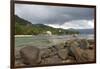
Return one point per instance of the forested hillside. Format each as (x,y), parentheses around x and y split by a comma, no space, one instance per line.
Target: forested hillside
(24,27)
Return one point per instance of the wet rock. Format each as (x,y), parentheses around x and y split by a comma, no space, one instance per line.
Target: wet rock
(29,55)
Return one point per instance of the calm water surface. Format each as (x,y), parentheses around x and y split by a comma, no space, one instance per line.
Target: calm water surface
(43,41)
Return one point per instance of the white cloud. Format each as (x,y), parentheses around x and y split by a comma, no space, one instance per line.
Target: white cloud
(91,23)
(76,24)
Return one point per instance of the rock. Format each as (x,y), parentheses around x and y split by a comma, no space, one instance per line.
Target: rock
(58,47)
(68,61)
(76,49)
(90,55)
(53,48)
(85,55)
(63,54)
(17,55)
(45,52)
(74,44)
(51,60)
(67,43)
(77,53)
(71,43)
(84,44)
(30,55)
(91,47)
(91,42)
(19,63)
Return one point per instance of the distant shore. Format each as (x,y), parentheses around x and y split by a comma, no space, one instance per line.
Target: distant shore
(81,36)
(23,35)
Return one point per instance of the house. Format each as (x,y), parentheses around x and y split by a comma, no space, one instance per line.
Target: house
(49,33)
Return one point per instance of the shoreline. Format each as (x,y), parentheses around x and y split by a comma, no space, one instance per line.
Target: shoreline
(23,35)
(81,36)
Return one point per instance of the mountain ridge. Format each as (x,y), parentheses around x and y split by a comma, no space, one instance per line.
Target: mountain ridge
(23,26)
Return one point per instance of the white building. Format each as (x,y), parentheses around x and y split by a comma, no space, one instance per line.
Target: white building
(49,33)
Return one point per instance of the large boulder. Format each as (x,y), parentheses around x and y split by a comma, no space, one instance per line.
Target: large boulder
(79,54)
(30,55)
(76,51)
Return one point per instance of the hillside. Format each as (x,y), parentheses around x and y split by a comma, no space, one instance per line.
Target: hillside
(24,27)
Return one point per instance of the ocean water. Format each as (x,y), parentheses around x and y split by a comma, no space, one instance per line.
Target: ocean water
(45,41)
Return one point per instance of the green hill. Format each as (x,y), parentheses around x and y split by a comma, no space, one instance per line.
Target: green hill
(24,27)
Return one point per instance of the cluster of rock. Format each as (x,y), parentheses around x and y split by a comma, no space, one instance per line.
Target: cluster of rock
(72,51)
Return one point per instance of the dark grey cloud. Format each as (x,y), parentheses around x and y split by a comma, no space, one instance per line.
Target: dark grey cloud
(53,14)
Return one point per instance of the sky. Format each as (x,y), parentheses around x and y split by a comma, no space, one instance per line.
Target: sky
(57,16)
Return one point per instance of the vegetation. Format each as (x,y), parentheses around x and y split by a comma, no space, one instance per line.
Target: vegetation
(23,27)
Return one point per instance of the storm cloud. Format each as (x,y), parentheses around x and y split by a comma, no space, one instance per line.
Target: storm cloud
(60,17)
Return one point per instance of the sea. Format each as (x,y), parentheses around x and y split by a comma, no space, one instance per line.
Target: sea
(46,40)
